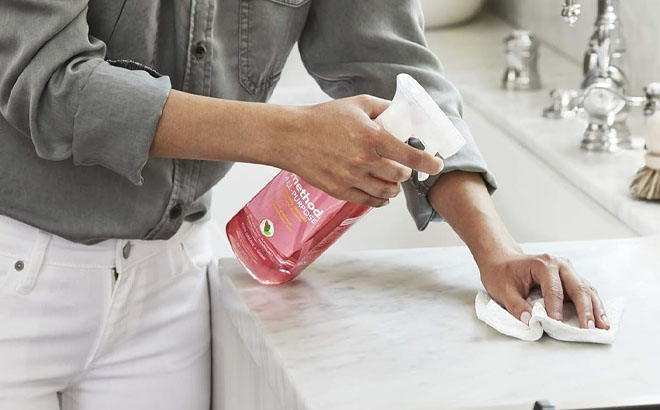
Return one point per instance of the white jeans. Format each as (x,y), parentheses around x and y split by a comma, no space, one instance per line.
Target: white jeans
(111,326)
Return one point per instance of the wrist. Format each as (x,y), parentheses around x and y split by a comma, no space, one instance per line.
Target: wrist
(283,128)
(494,254)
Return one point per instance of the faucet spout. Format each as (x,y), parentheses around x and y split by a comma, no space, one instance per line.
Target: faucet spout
(606,47)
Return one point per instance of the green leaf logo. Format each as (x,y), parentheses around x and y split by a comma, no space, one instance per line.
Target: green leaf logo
(267,228)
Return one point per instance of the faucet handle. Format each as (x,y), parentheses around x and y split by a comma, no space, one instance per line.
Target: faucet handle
(650,102)
(564,104)
(571,11)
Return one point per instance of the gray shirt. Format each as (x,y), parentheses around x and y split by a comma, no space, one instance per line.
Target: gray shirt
(83,84)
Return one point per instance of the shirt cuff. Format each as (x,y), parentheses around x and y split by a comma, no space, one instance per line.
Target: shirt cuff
(467,159)
(116,119)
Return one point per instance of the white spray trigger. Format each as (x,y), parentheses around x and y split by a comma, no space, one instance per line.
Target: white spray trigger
(413,113)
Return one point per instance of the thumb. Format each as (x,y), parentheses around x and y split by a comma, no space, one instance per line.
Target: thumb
(518,307)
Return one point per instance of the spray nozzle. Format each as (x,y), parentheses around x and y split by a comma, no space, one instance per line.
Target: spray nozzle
(413,113)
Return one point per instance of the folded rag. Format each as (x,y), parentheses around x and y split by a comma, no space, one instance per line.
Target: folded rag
(567,330)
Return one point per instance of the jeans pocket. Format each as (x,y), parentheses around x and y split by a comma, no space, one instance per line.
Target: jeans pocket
(196,249)
(192,262)
(268,29)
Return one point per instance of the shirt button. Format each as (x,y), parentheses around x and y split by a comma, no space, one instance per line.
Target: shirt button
(176,211)
(199,51)
(126,251)
(19,265)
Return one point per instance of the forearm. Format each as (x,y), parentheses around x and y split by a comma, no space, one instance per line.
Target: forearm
(335,146)
(197,127)
(463,200)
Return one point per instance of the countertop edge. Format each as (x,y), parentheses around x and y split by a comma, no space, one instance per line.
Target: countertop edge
(255,342)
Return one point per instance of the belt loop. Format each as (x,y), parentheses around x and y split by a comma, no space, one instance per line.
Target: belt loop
(33,266)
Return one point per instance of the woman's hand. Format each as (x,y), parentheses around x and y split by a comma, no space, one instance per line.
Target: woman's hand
(340,149)
(509,278)
(507,274)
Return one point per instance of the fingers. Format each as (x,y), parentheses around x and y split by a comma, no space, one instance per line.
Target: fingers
(373,106)
(545,272)
(602,322)
(358,196)
(390,171)
(582,295)
(378,188)
(390,147)
(518,307)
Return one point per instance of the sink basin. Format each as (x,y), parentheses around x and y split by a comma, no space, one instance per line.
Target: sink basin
(441,13)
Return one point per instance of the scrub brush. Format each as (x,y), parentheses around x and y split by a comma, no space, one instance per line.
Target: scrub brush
(646,184)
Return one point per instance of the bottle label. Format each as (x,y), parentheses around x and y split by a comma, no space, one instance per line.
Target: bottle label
(290,211)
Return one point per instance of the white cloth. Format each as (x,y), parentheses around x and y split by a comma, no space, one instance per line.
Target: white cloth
(567,330)
(74,338)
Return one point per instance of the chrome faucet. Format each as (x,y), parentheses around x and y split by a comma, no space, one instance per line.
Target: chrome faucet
(603,83)
(521,50)
(606,46)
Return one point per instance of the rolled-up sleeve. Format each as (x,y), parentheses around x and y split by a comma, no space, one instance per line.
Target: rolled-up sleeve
(57,89)
(354,47)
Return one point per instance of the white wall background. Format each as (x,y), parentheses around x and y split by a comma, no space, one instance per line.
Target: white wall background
(640,22)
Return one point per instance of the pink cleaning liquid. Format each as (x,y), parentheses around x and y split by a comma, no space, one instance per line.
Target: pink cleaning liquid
(286,226)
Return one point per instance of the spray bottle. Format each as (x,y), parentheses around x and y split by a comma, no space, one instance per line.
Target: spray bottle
(290,223)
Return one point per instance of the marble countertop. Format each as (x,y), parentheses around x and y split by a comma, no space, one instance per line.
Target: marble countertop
(473,58)
(397,330)
(392,330)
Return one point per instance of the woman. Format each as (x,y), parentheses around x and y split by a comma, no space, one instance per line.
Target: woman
(118,116)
